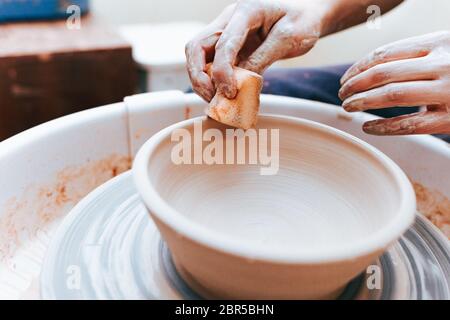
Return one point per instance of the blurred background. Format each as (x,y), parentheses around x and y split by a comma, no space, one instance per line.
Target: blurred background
(62,56)
(413,17)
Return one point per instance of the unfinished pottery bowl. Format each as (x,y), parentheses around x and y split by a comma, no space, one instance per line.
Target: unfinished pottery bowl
(297,222)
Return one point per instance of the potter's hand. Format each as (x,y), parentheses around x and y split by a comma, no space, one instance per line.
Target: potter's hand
(411,72)
(252,34)
(255,33)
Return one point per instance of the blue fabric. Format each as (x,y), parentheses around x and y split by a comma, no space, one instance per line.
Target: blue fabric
(13,10)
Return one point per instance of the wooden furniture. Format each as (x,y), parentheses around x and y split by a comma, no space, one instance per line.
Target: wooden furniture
(48,70)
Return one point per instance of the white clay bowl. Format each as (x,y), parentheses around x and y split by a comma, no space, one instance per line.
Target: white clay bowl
(335,204)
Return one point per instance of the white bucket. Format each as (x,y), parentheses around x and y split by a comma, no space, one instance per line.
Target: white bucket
(46,170)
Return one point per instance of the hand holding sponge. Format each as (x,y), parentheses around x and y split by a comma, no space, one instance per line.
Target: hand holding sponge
(242,111)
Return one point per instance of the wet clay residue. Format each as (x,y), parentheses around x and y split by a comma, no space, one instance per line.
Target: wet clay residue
(140,132)
(187,113)
(435,206)
(345,117)
(23,218)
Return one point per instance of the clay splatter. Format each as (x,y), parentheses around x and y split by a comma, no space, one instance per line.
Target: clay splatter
(345,117)
(24,217)
(143,133)
(187,113)
(435,206)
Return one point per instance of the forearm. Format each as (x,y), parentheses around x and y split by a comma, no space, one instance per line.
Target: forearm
(343,14)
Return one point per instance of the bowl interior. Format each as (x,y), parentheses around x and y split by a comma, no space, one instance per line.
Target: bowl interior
(329,190)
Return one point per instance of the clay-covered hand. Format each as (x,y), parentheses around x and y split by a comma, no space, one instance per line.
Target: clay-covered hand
(251,34)
(410,72)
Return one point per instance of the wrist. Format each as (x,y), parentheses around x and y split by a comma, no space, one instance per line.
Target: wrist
(325,13)
(337,15)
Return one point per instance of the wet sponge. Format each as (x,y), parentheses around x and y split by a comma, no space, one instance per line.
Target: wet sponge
(242,111)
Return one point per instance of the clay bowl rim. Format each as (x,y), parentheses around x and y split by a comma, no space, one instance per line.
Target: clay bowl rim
(184,226)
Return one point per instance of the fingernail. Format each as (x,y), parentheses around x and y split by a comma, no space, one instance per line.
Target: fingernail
(204,93)
(208,96)
(347,75)
(344,78)
(341,94)
(352,105)
(374,128)
(228,91)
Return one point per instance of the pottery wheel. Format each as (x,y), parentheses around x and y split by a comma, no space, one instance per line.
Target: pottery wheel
(108,248)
